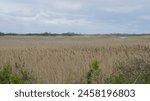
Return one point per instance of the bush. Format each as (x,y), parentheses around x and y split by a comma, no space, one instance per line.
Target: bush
(93,73)
(134,70)
(8,76)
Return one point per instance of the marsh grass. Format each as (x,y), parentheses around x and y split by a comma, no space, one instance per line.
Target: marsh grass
(131,73)
(135,69)
(66,59)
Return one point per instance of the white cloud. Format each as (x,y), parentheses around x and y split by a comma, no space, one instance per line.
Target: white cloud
(145,17)
(121,6)
(16,9)
(122,9)
(67,6)
(65,22)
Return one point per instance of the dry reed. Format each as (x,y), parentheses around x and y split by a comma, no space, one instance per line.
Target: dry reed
(66,59)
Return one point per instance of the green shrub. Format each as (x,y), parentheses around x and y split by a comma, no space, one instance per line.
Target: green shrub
(93,73)
(134,70)
(124,79)
(20,76)
(116,79)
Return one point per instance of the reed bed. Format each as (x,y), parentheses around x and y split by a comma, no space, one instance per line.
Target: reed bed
(66,59)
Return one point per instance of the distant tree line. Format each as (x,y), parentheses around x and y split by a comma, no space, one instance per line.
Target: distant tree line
(71,34)
(40,34)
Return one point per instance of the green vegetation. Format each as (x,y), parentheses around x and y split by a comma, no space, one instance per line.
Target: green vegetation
(131,73)
(93,73)
(121,78)
(17,76)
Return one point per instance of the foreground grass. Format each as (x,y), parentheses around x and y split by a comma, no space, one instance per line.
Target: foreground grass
(19,76)
(123,75)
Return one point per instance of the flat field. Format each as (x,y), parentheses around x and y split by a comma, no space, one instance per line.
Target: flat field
(66,59)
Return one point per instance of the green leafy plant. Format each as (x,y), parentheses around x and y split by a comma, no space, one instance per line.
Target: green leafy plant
(132,71)
(19,76)
(93,73)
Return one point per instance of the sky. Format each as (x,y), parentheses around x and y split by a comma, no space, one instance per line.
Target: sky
(80,16)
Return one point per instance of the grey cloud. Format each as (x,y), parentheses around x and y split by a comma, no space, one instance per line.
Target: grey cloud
(85,16)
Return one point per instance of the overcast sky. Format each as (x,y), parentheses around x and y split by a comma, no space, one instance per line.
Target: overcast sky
(81,16)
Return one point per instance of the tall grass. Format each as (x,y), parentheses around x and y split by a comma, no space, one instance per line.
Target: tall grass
(133,69)
(66,59)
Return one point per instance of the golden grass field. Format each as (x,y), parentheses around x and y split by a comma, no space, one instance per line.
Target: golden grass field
(66,59)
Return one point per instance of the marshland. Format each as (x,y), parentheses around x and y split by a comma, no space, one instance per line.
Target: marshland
(67,59)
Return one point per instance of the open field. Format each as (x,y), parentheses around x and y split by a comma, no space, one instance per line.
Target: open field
(64,59)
